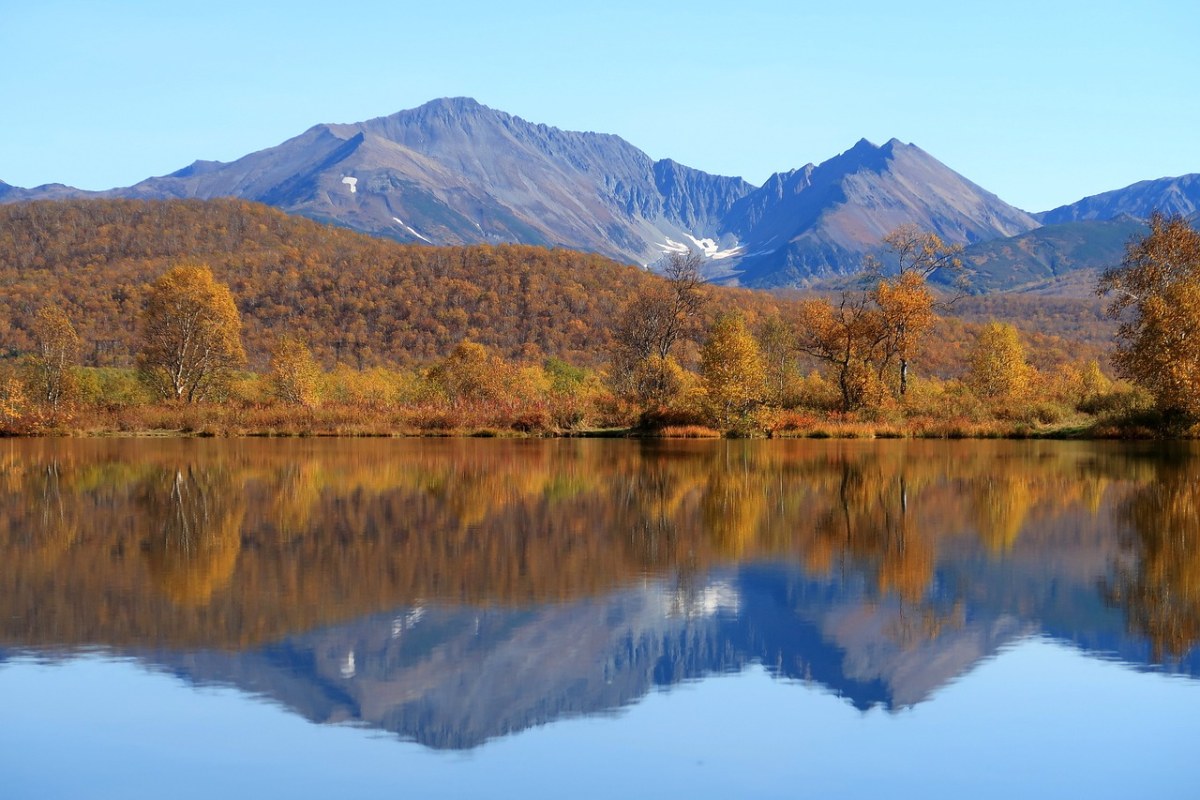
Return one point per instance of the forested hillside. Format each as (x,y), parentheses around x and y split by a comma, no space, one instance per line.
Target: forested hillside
(359,300)
(355,298)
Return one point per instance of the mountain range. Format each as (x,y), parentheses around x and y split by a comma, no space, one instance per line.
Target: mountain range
(455,677)
(454,171)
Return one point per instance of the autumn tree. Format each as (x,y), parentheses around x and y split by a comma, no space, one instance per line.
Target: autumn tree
(998,370)
(295,376)
(777,343)
(1156,295)
(650,326)
(13,401)
(846,336)
(732,369)
(906,303)
(469,374)
(571,391)
(654,382)
(191,335)
(56,352)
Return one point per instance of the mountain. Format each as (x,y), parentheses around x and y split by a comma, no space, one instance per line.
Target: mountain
(822,219)
(49,191)
(456,172)
(1169,195)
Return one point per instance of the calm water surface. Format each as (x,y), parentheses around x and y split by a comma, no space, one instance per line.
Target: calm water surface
(427,618)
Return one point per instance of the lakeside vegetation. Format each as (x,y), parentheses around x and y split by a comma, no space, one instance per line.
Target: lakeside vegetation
(227,318)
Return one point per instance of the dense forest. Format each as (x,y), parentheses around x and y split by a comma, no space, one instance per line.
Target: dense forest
(357,299)
(366,302)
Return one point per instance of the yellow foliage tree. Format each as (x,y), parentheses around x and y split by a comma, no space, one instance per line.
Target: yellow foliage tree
(777,343)
(1093,381)
(656,381)
(470,374)
(732,370)
(56,352)
(13,403)
(998,370)
(191,335)
(905,300)
(295,376)
(1157,294)
(906,306)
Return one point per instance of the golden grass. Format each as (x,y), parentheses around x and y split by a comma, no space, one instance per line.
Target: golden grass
(687,432)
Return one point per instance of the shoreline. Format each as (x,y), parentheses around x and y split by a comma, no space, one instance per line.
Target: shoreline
(833,431)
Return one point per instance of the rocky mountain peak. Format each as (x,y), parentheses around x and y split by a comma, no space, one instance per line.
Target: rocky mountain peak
(454,171)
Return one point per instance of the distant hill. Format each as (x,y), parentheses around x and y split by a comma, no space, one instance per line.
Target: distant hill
(1051,252)
(1169,195)
(359,299)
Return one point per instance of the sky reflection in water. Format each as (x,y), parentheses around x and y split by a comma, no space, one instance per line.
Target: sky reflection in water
(1042,719)
(491,618)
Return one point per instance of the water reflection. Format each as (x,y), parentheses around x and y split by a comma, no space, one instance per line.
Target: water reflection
(193,517)
(454,591)
(1157,579)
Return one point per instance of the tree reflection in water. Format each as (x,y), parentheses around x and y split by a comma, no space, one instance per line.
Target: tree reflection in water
(1157,580)
(266,539)
(194,518)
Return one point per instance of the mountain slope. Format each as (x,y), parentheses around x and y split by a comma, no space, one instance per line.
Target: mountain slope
(824,219)
(357,299)
(1179,195)
(1050,252)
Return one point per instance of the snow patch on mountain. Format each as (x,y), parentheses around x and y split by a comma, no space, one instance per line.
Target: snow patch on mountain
(400,222)
(672,246)
(351,182)
(707,247)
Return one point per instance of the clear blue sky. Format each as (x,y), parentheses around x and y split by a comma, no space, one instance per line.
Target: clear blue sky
(1041,102)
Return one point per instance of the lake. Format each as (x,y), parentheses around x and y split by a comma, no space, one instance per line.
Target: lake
(597,618)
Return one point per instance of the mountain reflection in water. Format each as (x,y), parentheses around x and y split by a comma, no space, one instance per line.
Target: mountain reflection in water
(455,591)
